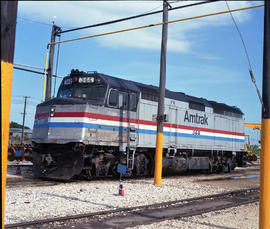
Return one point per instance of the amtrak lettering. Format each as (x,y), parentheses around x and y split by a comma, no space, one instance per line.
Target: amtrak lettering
(195,118)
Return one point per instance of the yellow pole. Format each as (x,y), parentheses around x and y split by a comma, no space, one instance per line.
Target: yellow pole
(265,176)
(44,84)
(8,21)
(264,221)
(158,159)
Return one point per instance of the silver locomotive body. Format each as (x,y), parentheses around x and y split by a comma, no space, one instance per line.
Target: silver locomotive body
(98,121)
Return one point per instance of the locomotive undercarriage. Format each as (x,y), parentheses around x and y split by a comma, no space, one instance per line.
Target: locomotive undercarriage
(102,161)
(57,161)
(88,161)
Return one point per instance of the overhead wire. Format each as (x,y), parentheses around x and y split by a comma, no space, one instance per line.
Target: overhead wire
(28,70)
(136,16)
(156,24)
(43,23)
(149,11)
(246,52)
(28,66)
(27,19)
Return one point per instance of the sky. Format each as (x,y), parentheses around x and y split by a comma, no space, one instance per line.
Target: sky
(205,56)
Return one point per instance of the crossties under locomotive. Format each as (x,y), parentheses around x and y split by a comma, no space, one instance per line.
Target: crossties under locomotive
(98,121)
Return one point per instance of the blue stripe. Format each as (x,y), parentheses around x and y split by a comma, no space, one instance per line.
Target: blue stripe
(124,129)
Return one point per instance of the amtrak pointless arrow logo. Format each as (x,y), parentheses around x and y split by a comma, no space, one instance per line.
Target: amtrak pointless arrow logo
(195,118)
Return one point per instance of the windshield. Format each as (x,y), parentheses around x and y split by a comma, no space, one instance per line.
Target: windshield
(92,92)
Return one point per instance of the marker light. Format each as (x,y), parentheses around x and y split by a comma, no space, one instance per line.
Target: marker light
(68,81)
(52,112)
(75,79)
(86,79)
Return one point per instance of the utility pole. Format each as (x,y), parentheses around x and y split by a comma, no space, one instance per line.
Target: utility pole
(162,85)
(55,30)
(265,138)
(8,30)
(24,113)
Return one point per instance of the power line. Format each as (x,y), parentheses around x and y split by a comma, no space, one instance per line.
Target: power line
(27,19)
(248,59)
(28,70)
(133,17)
(153,9)
(43,23)
(20,96)
(157,24)
(29,66)
(241,37)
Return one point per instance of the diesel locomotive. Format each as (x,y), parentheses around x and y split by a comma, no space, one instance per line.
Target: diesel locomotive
(98,121)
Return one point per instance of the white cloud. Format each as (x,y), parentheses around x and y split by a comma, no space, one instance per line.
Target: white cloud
(205,75)
(75,14)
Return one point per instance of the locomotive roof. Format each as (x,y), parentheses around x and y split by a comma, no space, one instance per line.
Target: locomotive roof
(128,85)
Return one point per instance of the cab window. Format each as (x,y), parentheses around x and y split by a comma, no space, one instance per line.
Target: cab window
(113,98)
(122,100)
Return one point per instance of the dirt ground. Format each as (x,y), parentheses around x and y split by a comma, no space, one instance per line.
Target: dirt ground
(240,178)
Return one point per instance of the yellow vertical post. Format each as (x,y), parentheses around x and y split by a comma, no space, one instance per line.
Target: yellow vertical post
(265,138)
(45,73)
(8,28)
(158,159)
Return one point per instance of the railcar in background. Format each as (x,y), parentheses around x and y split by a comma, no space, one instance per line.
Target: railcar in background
(98,121)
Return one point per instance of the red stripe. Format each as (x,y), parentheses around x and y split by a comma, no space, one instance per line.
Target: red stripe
(135,121)
(42,115)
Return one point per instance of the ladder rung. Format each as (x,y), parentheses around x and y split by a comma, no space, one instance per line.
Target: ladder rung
(130,158)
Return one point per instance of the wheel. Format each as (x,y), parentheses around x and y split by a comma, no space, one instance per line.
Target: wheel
(11,153)
(143,165)
(254,157)
(229,166)
(210,170)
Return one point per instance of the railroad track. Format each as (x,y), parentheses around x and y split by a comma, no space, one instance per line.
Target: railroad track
(147,214)
(21,165)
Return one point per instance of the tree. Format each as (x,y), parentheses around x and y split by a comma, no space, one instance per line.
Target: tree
(17,125)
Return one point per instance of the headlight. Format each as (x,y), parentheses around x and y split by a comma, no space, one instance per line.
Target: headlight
(67,81)
(90,79)
(52,111)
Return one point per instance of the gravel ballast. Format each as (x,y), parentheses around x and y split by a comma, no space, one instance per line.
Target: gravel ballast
(35,203)
(25,204)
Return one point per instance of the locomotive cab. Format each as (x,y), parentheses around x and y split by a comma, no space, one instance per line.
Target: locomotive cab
(59,128)
(69,126)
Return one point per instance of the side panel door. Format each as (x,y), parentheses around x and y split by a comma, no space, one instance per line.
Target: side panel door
(173,126)
(132,121)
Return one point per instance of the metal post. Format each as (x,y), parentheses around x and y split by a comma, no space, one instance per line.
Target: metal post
(24,113)
(265,138)
(8,29)
(55,29)
(160,115)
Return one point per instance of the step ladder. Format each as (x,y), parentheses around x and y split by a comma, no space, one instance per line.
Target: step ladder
(130,158)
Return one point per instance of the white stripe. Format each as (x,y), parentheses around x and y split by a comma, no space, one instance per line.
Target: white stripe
(140,126)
